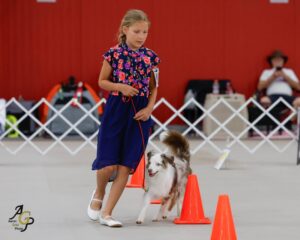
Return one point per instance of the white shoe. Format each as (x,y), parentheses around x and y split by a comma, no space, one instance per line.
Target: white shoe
(94,214)
(109,221)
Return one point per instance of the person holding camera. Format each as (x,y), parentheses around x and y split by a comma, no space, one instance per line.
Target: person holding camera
(279,81)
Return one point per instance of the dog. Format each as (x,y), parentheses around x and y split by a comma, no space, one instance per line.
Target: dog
(168,174)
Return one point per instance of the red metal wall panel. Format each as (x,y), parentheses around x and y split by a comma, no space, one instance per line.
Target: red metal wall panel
(42,44)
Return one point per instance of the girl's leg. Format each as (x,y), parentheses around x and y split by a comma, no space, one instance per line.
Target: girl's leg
(116,190)
(102,176)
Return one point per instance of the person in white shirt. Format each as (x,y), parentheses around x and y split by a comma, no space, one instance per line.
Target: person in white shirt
(279,81)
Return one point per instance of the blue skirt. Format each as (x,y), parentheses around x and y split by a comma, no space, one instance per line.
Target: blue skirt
(119,138)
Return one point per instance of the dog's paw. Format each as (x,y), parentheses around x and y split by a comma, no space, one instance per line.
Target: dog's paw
(138,222)
(164,217)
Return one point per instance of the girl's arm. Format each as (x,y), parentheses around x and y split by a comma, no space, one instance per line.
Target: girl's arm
(153,92)
(145,113)
(108,85)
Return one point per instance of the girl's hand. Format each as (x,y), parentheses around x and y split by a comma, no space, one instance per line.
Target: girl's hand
(127,90)
(143,114)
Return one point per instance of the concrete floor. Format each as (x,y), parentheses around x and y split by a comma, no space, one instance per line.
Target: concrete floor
(263,188)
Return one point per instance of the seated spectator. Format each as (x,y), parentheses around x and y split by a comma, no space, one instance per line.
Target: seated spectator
(279,81)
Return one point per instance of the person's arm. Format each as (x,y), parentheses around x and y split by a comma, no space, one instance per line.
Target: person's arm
(145,113)
(294,84)
(263,84)
(153,92)
(108,85)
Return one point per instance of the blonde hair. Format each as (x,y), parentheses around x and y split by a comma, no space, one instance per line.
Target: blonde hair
(132,16)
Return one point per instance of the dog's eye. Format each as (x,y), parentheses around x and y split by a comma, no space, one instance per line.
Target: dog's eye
(158,164)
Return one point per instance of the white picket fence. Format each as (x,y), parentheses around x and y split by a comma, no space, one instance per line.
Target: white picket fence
(235,139)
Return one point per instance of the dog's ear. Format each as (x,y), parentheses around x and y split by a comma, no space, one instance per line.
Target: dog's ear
(149,154)
(171,159)
(167,159)
(164,160)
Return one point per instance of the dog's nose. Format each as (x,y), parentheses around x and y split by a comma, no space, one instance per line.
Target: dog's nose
(150,171)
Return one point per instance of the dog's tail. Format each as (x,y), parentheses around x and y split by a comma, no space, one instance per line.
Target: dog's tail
(177,143)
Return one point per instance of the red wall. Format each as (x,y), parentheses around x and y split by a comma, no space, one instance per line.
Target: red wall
(42,44)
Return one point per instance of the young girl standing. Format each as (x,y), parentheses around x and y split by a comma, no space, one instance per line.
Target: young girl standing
(128,73)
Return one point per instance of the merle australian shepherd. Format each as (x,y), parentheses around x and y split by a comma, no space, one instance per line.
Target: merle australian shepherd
(167,174)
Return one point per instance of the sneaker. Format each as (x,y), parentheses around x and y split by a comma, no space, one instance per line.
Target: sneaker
(109,221)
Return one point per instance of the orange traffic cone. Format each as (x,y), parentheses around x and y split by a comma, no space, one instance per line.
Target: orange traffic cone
(223,228)
(138,178)
(192,209)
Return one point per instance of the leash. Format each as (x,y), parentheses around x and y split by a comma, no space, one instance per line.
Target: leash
(126,99)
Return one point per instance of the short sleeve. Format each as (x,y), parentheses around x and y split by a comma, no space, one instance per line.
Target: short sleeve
(108,56)
(265,75)
(292,75)
(155,60)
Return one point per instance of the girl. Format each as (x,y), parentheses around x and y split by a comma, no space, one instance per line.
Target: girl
(128,73)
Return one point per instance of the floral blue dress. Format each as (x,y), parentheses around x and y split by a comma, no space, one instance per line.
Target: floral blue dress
(120,138)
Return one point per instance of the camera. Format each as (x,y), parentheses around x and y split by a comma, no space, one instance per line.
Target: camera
(278,68)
